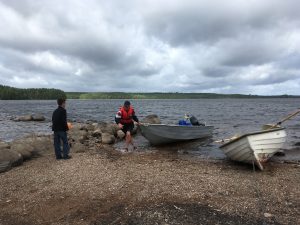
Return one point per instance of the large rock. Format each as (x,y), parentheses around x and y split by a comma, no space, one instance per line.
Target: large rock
(78,135)
(110,128)
(41,144)
(115,128)
(24,149)
(87,127)
(120,134)
(7,155)
(95,125)
(24,118)
(297,144)
(78,147)
(76,126)
(152,119)
(33,145)
(38,117)
(4,145)
(4,166)
(108,138)
(97,133)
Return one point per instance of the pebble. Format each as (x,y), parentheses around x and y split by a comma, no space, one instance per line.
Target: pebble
(268,215)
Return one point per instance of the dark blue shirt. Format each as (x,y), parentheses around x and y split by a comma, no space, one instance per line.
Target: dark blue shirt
(59,119)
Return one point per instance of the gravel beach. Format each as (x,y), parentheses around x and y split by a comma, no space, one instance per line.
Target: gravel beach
(105,186)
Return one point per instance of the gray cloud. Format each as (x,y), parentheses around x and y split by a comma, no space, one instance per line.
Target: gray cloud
(191,46)
(199,21)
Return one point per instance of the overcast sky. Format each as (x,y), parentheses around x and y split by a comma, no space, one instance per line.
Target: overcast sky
(232,46)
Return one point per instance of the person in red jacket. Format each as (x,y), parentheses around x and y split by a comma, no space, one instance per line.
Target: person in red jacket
(124,118)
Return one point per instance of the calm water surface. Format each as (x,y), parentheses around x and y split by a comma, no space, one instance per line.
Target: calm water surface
(228,116)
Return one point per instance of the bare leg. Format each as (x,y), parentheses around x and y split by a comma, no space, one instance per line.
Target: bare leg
(131,142)
(128,140)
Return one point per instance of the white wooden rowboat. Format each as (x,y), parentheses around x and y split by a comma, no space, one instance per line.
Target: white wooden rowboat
(255,147)
(158,134)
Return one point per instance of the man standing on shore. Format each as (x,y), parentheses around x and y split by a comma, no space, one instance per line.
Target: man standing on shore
(60,127)
(124,118)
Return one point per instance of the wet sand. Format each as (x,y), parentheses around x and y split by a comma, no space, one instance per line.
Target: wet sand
(106,186)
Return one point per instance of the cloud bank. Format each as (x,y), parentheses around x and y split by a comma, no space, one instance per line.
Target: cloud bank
(237,46)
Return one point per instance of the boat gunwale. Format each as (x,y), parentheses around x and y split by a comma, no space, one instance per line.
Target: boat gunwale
(173,125)
(253,133)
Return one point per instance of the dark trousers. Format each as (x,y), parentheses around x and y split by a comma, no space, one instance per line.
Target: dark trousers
(58,137)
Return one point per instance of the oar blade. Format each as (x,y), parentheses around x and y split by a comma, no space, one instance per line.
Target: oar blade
(270,126)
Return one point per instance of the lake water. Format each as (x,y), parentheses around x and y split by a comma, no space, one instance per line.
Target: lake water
(228,116)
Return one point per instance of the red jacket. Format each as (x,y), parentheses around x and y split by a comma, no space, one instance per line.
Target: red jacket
(126,117)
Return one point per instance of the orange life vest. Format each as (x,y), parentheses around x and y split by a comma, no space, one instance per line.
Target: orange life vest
(126,116)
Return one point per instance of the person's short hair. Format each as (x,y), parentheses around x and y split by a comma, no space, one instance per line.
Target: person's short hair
(60,101)
(127,103)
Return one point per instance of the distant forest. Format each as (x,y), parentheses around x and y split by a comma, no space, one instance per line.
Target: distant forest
(11,93)
(160,95)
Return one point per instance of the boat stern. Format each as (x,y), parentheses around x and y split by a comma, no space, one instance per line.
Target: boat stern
(265,145)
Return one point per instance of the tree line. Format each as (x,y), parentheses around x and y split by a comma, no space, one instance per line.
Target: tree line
(12,93)
(162,95)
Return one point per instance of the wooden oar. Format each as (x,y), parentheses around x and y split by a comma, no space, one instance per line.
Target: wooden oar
(271,126)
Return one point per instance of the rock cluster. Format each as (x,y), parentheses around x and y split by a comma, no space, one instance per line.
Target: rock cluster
(82,137)
(14,153)
(33,117)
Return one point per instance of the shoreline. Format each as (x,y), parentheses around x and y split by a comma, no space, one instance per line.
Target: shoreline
(104,186)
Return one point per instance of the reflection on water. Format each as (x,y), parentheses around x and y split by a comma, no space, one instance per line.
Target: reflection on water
(228,116)
(202,148)
(187,147)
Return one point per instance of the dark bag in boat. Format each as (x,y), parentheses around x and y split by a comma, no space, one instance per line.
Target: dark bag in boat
(184,123)
(195,122)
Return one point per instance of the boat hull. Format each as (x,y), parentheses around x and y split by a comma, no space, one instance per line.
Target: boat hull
(159,134)
(257,147)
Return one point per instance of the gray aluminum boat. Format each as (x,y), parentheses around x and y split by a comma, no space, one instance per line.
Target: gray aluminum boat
(158,134)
